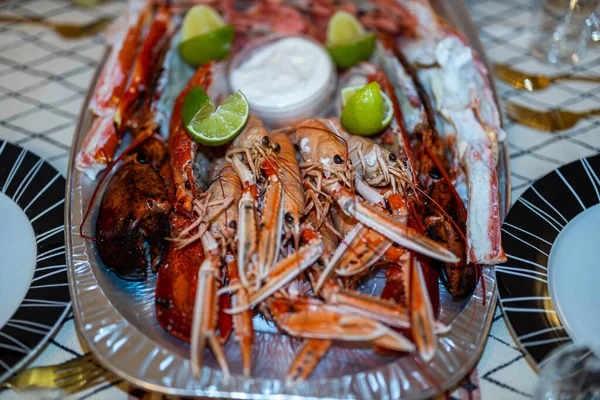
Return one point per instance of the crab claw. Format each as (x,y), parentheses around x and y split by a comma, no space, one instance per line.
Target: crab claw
(271,226)
(307,359)
(385,311)
(361,248)
(247,229)
(242,322)
(286,270)
(423,322)
(313,319)
(146,65)
(293,200)
(391,228)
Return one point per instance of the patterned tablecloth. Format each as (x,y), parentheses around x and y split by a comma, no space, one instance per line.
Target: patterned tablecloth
(43,79)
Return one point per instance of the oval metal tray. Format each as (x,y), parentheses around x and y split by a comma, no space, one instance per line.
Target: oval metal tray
(116,318)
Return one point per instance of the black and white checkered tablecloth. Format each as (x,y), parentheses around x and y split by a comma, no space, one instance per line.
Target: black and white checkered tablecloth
(43,79)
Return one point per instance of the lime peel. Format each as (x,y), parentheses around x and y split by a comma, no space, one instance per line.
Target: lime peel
(367,110)
(199,20)
(344,28)
(212,45)
(348,55)
(210,126)
(347,41)
(204,36)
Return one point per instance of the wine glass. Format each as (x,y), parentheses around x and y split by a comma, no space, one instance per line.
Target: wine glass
(570,372)
(563,28)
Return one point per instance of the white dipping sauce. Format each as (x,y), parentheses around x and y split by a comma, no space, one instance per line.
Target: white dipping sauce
(283,74)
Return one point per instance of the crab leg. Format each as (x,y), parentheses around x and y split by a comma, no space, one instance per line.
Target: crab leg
(469,119)
(153,47)
(101,141)
(99,146)
(124,44)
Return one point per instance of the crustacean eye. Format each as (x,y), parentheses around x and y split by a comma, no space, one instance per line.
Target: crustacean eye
(435,173)
(338,159)
(277,148)
(289,218)
(392,157)
(142,157)
(265,141)
(232,224)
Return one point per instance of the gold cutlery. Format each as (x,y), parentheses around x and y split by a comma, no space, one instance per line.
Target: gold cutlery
(532,82)
(70,377)
(69,31)
(553,120)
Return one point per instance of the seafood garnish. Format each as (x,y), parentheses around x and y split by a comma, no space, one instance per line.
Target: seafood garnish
(288,225)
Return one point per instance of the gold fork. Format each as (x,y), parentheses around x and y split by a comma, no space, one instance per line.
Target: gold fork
(531,82)
(69,31)
(553,120)
(70,377)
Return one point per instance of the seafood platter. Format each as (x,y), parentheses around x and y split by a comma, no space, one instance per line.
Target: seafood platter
(271,198)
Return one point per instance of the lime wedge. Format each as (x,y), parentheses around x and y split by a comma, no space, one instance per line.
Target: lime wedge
(212,127)
(388,107)
(204,36)
(367,110)
(213,45)
(199,20)
(196,102)
(347,42)
(348,55)
(344,28)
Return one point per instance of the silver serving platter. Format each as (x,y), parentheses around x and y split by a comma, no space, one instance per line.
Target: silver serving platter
(116,319)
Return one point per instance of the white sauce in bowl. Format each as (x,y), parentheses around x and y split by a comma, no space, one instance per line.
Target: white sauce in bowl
(283,75)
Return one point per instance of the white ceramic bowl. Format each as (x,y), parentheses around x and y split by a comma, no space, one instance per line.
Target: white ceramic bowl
(316,99)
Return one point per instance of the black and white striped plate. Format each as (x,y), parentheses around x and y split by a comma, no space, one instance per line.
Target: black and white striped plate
(548,287)
(34,292)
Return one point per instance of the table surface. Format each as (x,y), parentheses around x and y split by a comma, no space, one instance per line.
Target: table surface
(43,80)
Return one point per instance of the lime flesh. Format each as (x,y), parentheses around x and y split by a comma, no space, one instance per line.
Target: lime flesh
(212,127)
(347,42)
(344,28)
(367,110)
(199,20)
